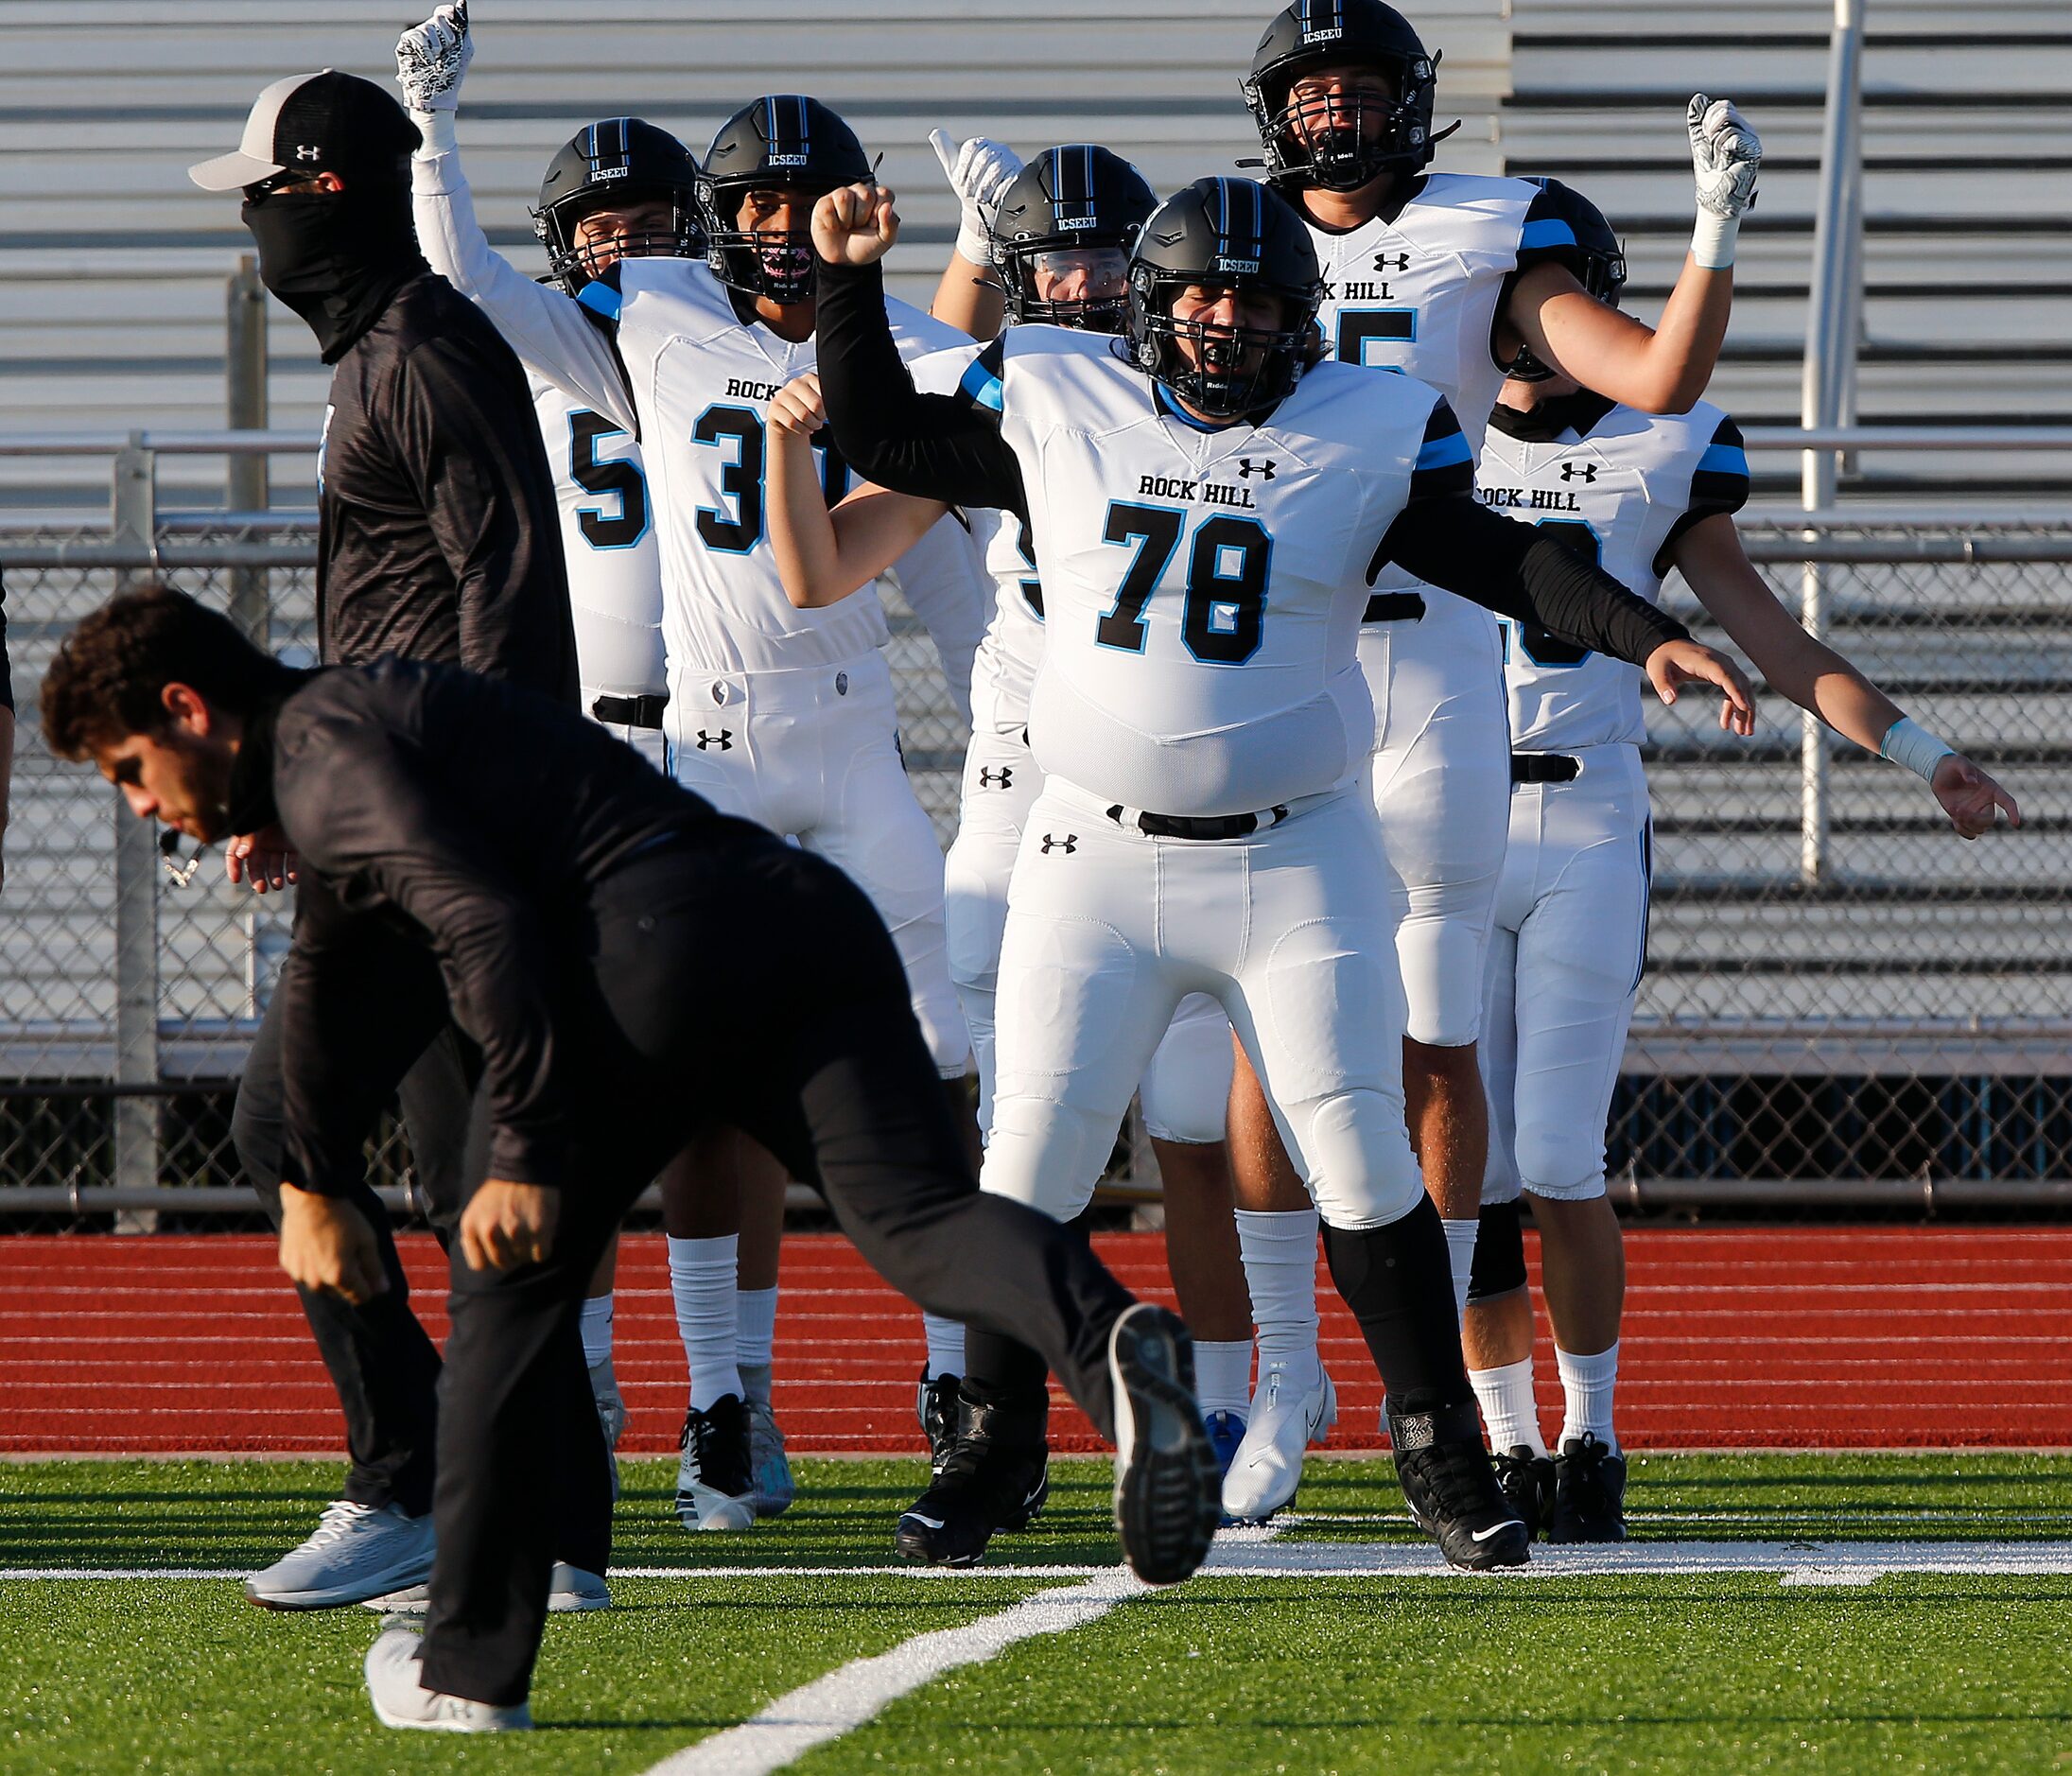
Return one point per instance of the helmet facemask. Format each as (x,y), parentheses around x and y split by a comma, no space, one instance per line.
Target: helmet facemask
(572,265)
(775,265)
(1221,370)
(1089,285)
(1340,141)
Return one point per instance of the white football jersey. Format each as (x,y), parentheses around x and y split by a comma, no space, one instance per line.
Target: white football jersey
(1420,295)
(1202,588)
(1620,487)
(608,536)
(700,382)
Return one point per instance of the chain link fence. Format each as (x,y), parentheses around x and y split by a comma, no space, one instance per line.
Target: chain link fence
(1843,1002)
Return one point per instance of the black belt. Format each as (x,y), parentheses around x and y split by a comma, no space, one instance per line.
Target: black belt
(1544,767)
(1388,607)
(631,711)
(1185,827)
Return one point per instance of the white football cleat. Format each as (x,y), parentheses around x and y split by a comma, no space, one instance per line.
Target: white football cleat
(715,1474)
(1284,1421)
(395,1665)
(357,1552)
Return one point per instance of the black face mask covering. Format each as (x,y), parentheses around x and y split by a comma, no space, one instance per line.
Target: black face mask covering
(335,258)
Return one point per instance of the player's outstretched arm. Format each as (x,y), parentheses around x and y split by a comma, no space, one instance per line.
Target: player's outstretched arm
(937,447)
(550,332)
(822,556)
(1818,679)
(1661,370)
(969,296)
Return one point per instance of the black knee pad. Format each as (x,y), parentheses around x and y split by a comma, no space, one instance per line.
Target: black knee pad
(1500,1253)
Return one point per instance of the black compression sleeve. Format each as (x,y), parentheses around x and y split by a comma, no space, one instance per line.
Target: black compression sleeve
(1518,571)
(936,446)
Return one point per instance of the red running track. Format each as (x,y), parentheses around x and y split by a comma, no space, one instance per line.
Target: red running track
(1794,1339)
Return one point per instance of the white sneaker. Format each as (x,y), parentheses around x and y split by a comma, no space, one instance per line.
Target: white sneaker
(394,1664)
(715,1483)
(356,1553)
(569,1592)
(1284,1422)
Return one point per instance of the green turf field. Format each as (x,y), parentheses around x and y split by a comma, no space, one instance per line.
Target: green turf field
(1802,1665)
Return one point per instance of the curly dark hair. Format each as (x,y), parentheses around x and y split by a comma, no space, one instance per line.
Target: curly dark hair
(110,675)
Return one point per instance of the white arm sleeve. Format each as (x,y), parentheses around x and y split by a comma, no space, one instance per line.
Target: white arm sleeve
(944,580)
(552,335)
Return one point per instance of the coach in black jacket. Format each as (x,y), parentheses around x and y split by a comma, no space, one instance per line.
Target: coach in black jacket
(439,541)
(586,914)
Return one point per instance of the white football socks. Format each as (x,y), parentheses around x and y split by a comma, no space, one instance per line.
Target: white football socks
(701,1275)
(1508,1407)
(754,1326)
(596,1326)
(1222,1376)
(1587,1384)
(945,1345)
(1279,1248)
(1460,1257)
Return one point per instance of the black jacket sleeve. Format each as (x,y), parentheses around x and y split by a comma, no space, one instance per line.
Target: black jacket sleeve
(7,674)
(1446,538)
(936,446)
(469,435)
(358,806)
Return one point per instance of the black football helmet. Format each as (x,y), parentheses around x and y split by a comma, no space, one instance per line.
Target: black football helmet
(1603,269)
(784,141)
(1337,144)
(1225,233)
(1072,212)
(604,165)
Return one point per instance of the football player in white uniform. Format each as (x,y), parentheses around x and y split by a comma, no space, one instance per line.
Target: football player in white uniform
(781,716)
(1441,277)
(1058,245)
(1639,494)
(1204,732)
(619,188)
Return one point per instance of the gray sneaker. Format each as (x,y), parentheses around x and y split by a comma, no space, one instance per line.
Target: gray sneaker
(611,1412)
(395,1666)
(569,1592)
(357,1552)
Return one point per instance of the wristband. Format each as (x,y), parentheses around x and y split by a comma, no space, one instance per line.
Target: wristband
(1906,742)
(436,127)
(974,245)
(1711,240)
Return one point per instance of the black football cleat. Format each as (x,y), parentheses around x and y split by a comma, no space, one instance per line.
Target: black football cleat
(1527,1481)
(1589,1493)
(1452,1490)
(1168,1491)
(936,1407)
(994,1479)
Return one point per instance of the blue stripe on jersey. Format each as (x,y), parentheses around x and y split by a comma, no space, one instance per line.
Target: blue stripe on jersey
(981,387)
(1722,458)
(600,298)
(1443,452)
(1547,230)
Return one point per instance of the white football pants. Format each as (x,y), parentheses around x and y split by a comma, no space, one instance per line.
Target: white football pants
(1442,752)
(1570,941)
(813,754)
(1107,930)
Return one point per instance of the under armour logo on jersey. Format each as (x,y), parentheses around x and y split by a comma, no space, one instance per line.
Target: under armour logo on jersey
(1067,845)
(1001,779)
(1574,471)
(1247,468)
(1392,262)
(721,741)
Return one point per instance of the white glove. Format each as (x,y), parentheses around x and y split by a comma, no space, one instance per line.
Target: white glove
(979,173)
(1726,154)
(431,59)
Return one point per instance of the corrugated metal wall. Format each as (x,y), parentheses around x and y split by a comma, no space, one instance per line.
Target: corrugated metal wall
(112,265)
